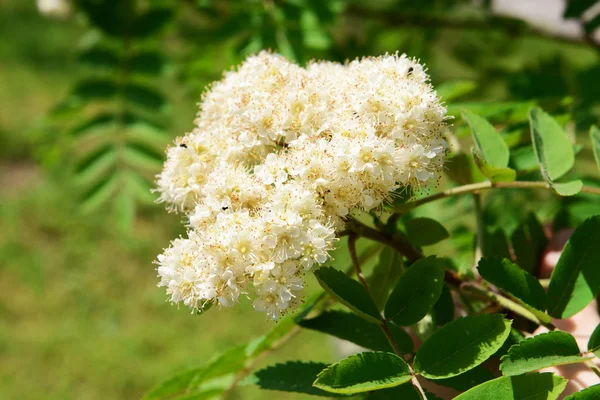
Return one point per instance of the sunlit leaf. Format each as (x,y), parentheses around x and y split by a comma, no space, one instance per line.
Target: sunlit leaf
(513,280)
(364,372)
(575,280)
(590,393)
(451,90)
(461,345)
(544,386)
(553,149)
(541,351)
(488,142)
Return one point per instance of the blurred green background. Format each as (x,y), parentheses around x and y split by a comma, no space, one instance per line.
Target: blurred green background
(80,314)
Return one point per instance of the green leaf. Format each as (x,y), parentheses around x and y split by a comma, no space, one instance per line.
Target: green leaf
(94,89)
(462,169)
(595,138)
(444,307)
(513,280)
(552,147)
(350,327)
(173,385)
(147,63)
(425,231)
(591,393)
(364,372)
(451,90)
(531,387)
(152,21)
(406,391)
(99,58)
(541,351)
(145,97)
(124,210)
(143,155)
(100,193)
(385,275)
(99,167)
(461,345)
(348,292)
(563,189)
(467,380)
(416,292)
(575,8)
(492,173)
(140,187)
(293,376)
(529,241)
(93,157)
(594,342)
(112,17)
(575,280)
(489,144)
(495,244)
(99,122)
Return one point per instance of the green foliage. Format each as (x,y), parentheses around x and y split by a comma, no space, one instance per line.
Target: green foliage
(595,138)
(416,292)
(385,275)
(513,280)
(541,351)
(594,342)
(553,150)
(528,242)
(350,327)
(461,345)
(576,279)
(348,292)
(364,372)
(591,393)
(491,153)
(114,105)
(532,386)
(425,231)
(293,376)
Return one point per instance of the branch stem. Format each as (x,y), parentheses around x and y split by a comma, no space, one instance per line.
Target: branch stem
(479,186)
(384,324)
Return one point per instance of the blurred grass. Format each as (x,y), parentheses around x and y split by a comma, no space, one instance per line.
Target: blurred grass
(80,314)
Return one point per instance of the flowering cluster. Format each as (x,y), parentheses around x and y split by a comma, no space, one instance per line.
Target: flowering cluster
(279,159)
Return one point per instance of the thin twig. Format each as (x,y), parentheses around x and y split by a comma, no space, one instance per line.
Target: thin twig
(479,186)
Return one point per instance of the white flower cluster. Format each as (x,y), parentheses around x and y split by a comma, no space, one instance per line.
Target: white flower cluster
(54,8)
(279,159)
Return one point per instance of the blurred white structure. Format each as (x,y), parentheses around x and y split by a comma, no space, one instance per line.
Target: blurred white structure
(54,8)
(546,15)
